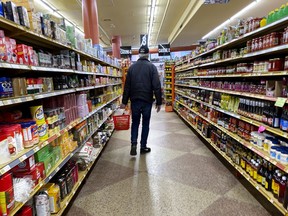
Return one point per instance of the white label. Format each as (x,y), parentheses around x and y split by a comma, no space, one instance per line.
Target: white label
(24,157)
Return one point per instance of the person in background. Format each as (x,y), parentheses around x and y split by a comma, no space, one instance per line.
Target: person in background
(142,81)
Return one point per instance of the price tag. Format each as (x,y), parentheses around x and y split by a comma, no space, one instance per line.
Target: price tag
(1,103)
(50,177)
(24,157)
(257,187)
(7,102)
(5,169)
(36,149)
(18,100)
(280,102)
(271,200)
(57,169)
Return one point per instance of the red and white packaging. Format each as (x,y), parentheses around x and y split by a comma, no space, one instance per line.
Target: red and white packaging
(33,174)
(25,166)
(22,54)
(30,55)
(14,51)
(3,51)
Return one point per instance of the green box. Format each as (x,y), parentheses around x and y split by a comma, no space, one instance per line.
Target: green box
(48,163)
(42,153)
(56,152)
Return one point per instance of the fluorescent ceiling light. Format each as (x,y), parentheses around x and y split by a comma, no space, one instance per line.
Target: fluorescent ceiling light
(152,14)
(238,14)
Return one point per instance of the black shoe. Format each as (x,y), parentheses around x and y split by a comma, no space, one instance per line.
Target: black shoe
(145,150)
(133,151)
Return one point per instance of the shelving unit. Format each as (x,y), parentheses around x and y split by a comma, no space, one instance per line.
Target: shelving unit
(187,85)
(169,86)
(29,37)
(261,189)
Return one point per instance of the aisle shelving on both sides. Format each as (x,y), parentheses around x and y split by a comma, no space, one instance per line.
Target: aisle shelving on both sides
(261,189)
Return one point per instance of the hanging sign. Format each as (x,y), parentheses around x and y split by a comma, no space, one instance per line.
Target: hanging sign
(126,51)
(164,49)
(144,40)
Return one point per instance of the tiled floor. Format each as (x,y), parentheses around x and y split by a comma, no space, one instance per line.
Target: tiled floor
(179,177)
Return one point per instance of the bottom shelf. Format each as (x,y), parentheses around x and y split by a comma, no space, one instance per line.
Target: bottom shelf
(269,196)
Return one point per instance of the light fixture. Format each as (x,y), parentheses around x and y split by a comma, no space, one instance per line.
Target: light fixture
(238,14)
(54,11)
(152,14)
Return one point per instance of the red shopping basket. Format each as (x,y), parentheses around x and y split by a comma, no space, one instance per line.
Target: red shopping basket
(121,122)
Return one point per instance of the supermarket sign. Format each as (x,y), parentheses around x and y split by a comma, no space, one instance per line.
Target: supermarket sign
(144,40)
(164,49)
(125,51)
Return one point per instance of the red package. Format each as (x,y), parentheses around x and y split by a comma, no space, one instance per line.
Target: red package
(25,211)
(26,166)
(14,51)
(30,55)
(6,194)
(34,174)
(41,169)
(22,54)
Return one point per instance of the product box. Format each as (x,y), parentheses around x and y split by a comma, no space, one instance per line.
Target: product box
(22,54)
(42,153)
(3,50)
(33,174)
(25,166)
(7,200)
(30,55)
(2,13)
(9,50)
(11,12)
(48,163)
(53,191)
(23,16)
(41,168)
(56,154)
(14,51)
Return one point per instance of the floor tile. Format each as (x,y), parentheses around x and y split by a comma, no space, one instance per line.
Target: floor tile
(115,143)
(203,151)
(147,195)
(240,194)
(179,142)
(198,171)
(105,173)
(146,162)
(169,126)
(225,206)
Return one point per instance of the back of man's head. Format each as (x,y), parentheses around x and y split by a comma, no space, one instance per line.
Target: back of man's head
(144,52)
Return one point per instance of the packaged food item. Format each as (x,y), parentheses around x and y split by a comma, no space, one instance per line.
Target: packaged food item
(43,131)
(25,166)
(6,89)
(37,114)
(5,154)
(22,54)
(42,204)
(7,200)
(11,139)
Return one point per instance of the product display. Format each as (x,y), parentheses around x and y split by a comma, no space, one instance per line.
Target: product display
(231,96)
(55,100)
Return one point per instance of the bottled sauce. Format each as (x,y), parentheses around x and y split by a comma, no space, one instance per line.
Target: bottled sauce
(274,178)
(282,187)
(277,184)
(269,175)
(256,169)
(265,173)
(260,173)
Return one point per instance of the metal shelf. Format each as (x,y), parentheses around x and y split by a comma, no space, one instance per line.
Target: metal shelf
(268,195)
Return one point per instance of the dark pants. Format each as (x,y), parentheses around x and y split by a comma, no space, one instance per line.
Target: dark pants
(139,108)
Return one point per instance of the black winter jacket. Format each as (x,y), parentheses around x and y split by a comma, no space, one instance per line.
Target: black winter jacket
(142,81)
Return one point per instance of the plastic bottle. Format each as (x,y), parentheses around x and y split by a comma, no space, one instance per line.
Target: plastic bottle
(282,187)
(263,22)
(281,12)
(260,174)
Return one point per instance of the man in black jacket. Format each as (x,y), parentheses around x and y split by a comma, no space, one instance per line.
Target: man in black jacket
(142,81)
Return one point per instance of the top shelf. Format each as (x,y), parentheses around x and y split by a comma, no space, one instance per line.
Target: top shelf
(280,24)
(26,35)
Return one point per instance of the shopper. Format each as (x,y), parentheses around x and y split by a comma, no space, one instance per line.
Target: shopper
(142,81)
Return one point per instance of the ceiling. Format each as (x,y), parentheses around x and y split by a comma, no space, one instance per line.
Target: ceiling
(178,22)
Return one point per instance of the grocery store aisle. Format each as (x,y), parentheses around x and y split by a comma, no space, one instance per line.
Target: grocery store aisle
(179,177)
